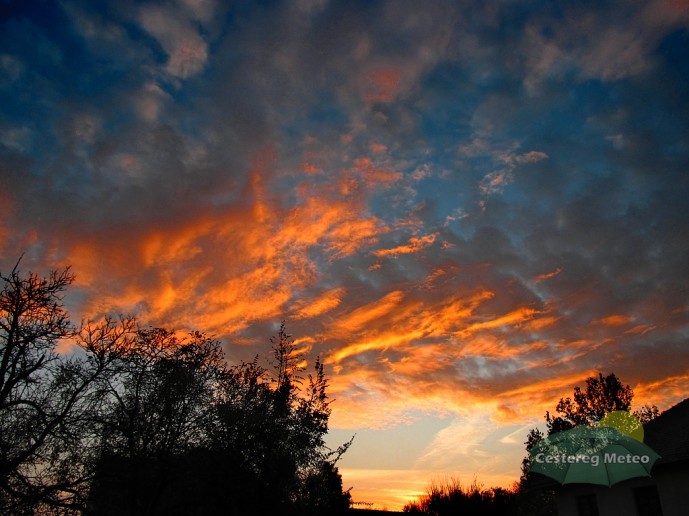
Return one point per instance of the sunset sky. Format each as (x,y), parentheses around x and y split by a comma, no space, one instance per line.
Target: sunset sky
(464,207)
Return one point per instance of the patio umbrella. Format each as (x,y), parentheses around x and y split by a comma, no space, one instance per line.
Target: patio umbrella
(592,455)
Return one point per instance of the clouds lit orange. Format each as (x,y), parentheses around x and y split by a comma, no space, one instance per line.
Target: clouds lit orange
(464,210)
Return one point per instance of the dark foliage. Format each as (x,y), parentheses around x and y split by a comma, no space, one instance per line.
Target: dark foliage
(145,422)
(189,435)
(451,498)
(647,413)
(48,445)
(602,395)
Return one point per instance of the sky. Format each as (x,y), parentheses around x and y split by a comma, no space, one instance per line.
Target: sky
(465,208)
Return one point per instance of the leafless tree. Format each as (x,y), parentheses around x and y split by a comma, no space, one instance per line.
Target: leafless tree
(47,400)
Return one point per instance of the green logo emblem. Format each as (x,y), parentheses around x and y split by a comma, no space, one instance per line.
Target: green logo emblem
(605,454)
(626,423)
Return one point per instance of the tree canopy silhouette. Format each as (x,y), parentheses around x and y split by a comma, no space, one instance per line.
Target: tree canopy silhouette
(146,421)
(602,395)
(48,443)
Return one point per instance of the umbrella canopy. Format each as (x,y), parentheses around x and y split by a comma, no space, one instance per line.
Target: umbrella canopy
(592,455)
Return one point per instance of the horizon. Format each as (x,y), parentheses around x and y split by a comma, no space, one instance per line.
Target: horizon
(464,210)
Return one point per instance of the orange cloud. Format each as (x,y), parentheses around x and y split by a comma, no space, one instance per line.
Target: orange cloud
(376,394)
(377,148)
(367,313)
(310,168)
(422,360)
(531,157)
(543,395)
(395,320)
(516,317)
(415,348)
(405,325)
(381,342)
(641,329)
(614,320)
(492,347)
(430,280)
(383,84)
(663,393)
(326,302)
(540,323)
(415,245)
(222,270)
(373,176)
(495,181)
(547,275)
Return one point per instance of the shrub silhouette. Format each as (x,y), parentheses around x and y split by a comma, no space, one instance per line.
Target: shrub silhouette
(451,498)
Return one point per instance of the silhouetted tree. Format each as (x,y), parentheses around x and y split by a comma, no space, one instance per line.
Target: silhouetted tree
(158,410)
(47,401)
(273,426)
(532,438)
(533,499)
(603,394)
(184,433)
(321,493)
(647,413)
(134,422)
